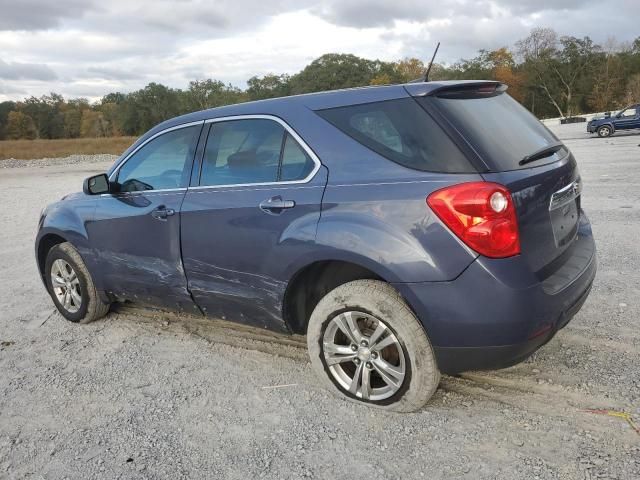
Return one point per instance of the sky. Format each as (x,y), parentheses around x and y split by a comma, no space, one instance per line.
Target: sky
(87,48)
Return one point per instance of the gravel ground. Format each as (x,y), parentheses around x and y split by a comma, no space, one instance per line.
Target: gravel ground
(148,395)
(49,162)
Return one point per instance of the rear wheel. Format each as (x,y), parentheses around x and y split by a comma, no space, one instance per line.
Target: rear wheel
(71,286)
(605,131)
(367,345)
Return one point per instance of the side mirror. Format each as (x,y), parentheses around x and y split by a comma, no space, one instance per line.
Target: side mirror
(96,185)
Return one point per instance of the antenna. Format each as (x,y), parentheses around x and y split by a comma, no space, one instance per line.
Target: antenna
(426,74)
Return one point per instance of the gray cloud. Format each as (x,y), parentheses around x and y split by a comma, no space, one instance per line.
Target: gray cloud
(26,71)
(108,73)
(362,13)
(11,90)
(98,47)
(39,14)
(528,6)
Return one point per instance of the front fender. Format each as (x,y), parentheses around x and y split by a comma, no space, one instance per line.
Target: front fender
(66,220)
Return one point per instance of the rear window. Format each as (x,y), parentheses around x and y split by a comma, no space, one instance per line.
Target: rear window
(501,130)
(402,131)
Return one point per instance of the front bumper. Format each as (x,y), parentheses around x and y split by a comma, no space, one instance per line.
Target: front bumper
(591,128)
(490,318)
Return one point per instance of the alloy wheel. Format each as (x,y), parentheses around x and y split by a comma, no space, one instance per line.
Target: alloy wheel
(604,132)
(364,356)
(66,285)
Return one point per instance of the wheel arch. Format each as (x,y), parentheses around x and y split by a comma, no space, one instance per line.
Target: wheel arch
(44,244)
(313,280)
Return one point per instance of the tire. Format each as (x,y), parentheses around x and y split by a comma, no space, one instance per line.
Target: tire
(605,131)
(71,275)
(372,305)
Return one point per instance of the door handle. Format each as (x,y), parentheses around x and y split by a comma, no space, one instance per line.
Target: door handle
(162,212)
(276,205)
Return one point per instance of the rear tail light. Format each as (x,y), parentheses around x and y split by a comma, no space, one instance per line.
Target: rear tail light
(481,214)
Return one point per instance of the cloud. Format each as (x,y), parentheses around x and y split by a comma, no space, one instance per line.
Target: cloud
(109,73)
(39,14)
(26,71)
(91,47)
(375,13)
(11,90)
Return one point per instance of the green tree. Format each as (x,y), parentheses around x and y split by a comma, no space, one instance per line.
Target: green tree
(333,71)
(20,125)
(93,125)
(46,112)
(203,94)
(268,86)
(72,122)
(409,69)
(5,109)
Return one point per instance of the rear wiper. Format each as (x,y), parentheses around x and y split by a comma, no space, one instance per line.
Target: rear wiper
(546,151)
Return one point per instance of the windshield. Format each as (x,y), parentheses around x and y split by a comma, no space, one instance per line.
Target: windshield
(501,130)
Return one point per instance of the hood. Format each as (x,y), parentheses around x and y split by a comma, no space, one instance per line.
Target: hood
(72,196)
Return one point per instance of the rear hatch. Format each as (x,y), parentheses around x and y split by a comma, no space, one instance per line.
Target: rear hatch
(517,151)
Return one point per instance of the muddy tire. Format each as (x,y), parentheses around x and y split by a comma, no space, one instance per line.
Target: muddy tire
(71,286)
(366,345)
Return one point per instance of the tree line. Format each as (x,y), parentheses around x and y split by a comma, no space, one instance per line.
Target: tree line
(551,75)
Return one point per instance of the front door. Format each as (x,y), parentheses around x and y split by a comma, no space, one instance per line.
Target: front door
(136,231)
(628,119)
(255,210)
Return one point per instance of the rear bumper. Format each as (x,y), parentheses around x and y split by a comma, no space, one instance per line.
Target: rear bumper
(461,359)
(496,314)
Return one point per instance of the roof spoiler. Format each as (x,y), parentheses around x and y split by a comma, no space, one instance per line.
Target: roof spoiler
(459,89)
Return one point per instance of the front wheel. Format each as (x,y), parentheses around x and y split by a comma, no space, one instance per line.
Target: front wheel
(366,345)
(71,286)
(605,131)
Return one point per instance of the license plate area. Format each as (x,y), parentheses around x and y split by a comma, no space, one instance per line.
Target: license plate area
(564,211)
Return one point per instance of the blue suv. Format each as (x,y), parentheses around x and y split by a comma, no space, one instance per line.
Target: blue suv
(626,119)
(407,230)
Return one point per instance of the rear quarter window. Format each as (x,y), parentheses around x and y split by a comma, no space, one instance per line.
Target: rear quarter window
(402,131)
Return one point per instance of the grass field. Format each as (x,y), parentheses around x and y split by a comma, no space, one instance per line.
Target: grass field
(30,149)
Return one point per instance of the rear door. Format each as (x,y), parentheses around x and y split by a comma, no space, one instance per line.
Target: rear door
(522,154)
(253,210)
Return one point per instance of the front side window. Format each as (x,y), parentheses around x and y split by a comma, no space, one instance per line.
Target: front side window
(240,152)
(402,131)
(629,113)
(160,164)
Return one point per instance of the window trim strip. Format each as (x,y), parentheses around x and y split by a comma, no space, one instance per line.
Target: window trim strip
(115,171)
(285,125)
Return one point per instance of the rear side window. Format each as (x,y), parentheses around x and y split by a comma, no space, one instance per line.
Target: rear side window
(240,152)
(402,131)
(501,130)
(296,163)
